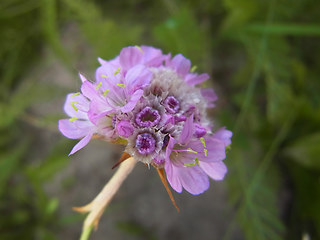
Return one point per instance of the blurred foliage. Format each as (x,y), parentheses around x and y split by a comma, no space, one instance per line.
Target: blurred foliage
(264,59)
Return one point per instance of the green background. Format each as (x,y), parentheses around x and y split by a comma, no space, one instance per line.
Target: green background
(264,59)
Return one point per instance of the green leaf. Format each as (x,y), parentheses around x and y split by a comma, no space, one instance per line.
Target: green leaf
(305,150)
(285,29)
(51,30)
(56,161)
(28,93)
(106,36)
(182,33)
(9,162)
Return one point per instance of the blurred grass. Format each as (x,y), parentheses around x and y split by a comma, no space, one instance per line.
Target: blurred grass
(264,57)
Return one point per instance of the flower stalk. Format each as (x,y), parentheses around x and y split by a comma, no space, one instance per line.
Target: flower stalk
(98,205)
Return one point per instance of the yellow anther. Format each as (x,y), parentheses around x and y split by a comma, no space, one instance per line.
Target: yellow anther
(189,164)
(104,76)
(73,105)
(120,85)
(203,142)
(73,119)
(75,94)
(193,69)
(190,150)
(99,85)
(117,71)
(106,92)
(205,152)
(139,48)
(197,161)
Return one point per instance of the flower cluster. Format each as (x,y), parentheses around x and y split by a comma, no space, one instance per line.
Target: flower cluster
(149,101)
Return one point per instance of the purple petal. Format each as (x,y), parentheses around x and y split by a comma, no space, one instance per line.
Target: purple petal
(132,102)
(152,57)
(129,57)
(76,129)
(83,79)
(137,77)
(224,135)
(105,75)
(89,91)
(173,176)
(102,61)
(216,150)
(187,131)
(94,114)
(181,64)
(170,146)
(83,142)
(76,106)
(199,131)
(193,79)
(193,179)
(210,96)
(124,128)
(215,170)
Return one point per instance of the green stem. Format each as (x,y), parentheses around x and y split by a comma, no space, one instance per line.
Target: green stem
(86,233)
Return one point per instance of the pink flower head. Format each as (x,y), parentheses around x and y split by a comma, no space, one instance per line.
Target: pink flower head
(153,102)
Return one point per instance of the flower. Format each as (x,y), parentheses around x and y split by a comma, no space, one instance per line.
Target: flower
(153,103)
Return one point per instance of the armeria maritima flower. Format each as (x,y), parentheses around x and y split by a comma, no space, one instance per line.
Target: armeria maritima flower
(152,102)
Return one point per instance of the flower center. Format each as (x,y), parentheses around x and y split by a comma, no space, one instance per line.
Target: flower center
(148,117)
(171,104)
(145,143)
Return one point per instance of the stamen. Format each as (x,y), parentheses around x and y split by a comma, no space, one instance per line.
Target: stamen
(139,48)
(106,92)
(121,85)
(75,94)
(99,85)
(73,105)
(73,119)
(189,164)
(193,69)
(205,152)
(203,142)
(192,151)
(196,162)
(117,71)
(104,76)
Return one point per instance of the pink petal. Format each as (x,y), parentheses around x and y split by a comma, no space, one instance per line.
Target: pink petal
(215,170)
(89,90)
(152,57)
(137,77)
(76,129)
(83,79)
(181,64)
(132,102)
(124,128)
(83,142)
(105,75)
(173,177)
(170,146)
(193,179)
(216,150)
(102,61)
(209,95)
(193,79)
(223,135)
(76,106)
(187,131)
(129,57)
